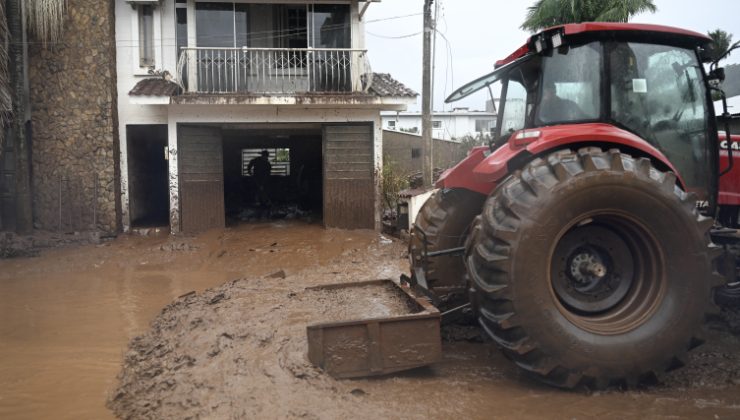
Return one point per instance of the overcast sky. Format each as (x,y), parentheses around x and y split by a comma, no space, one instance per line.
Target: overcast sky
(483,31)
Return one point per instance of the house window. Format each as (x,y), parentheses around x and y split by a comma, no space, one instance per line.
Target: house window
(279,159)
(181,29)
(436,124)
(146,35)
(415,153)
(391,124)
(221,24)
(330,26)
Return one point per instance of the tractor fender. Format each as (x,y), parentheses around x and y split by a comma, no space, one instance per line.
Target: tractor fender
(481,171)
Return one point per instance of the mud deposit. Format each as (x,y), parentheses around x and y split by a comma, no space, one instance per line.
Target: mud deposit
(348,303)
(239,351)
(236,346)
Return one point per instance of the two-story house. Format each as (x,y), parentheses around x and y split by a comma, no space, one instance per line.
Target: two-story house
(204,86)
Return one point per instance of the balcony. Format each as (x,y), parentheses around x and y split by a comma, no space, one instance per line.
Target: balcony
(273,71)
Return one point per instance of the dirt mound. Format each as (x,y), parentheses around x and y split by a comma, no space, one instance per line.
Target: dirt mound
(239,350)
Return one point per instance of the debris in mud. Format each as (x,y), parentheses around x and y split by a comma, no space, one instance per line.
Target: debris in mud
(457,332)
(178,246)
(275,212)
(276,275)
(20,246)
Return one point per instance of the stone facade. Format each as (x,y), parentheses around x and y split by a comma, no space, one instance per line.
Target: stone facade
(74,123)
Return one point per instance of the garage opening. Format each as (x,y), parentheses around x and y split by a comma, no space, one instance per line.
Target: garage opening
(148,175)
(272,174)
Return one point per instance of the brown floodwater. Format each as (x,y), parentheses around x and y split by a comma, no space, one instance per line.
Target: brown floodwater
(67,316)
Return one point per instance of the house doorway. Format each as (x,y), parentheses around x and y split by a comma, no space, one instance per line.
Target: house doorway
(293,189)
(148,175)
(320,173)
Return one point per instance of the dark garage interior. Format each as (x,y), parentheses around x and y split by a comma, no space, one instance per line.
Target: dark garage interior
(148,175)
(294,188)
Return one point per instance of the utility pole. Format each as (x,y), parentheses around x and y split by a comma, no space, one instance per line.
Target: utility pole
(426,97)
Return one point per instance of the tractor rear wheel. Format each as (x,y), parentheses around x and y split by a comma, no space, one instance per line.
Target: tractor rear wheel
(591,268)
(444,221)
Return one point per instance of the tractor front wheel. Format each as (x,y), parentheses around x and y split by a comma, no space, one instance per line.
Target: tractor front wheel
(591,268)
(442,223)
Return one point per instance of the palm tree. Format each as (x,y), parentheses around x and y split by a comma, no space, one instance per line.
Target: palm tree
(6,103)
(546,13)
(723,45)
(45,21)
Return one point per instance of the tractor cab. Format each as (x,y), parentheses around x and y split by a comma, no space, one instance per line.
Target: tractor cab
(646,82)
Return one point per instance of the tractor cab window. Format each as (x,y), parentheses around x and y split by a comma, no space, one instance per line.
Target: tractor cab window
(571,86)
(514,109)
(519,92)
(657,92)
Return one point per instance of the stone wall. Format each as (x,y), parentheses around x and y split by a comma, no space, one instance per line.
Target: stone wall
(74,128)
(398,148)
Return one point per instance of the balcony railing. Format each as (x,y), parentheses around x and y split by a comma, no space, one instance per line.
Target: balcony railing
(273,70)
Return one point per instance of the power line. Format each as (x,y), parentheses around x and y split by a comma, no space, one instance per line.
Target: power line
(395,37)
(393,18)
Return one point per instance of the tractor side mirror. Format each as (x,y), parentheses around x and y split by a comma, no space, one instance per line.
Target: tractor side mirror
(717,75)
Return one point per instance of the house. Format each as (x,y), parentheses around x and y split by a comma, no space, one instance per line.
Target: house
(451,125)
(204,86)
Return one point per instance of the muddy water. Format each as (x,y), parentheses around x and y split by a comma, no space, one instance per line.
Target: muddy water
(66,316)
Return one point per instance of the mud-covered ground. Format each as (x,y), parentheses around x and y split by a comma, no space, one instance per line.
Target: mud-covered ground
(235,347)
(239,351)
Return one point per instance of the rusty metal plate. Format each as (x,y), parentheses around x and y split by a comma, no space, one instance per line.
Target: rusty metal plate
(377,345)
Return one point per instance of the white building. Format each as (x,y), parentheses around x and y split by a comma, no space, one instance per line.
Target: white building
(451,125)
(733,106)
(203,84)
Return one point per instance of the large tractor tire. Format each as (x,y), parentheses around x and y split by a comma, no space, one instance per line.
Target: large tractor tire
(444,221)
(592,269)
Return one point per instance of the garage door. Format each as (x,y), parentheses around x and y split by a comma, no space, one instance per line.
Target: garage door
(349,185)
(200,160)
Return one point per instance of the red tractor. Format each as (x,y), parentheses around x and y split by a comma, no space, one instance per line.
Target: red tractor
(575,236)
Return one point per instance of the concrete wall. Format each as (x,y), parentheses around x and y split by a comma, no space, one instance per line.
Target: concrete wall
(74,126)
(398,146)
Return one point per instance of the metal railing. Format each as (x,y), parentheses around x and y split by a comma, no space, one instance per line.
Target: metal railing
(272,70)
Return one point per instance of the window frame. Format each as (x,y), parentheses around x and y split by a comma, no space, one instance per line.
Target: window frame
(137,67)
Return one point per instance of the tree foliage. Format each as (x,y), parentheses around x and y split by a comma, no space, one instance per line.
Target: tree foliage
(723,45)
(546,13)
(394,180)
(6,103)
(45,19)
